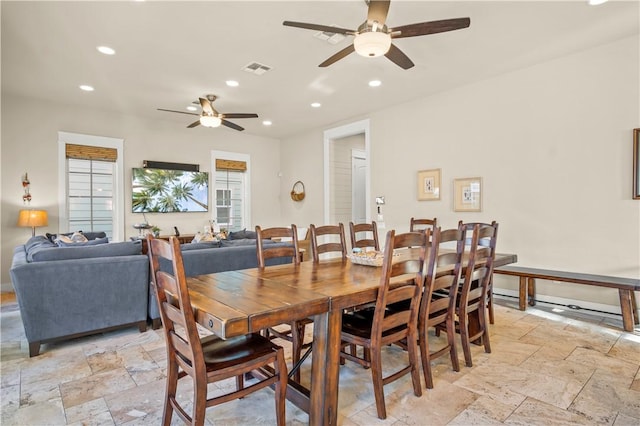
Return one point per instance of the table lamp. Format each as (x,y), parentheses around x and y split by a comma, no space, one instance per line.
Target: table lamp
(33,219)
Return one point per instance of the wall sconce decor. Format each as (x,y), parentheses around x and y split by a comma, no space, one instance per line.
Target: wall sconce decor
(26,198)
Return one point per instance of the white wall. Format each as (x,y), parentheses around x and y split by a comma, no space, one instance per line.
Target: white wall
(553,145)
(30,145)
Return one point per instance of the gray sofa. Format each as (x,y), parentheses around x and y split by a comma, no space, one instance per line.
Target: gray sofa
(66,292)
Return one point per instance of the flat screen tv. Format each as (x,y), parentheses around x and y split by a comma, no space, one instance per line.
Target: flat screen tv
(169,191)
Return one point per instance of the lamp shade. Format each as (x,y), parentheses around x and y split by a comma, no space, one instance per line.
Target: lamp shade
(33,218)
(210,121)
(372,44)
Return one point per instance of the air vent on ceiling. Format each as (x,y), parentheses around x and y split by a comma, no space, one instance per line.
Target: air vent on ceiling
(256,68)
(329,37)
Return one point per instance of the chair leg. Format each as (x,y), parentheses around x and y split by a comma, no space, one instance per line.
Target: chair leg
(412,349)
(199,401)
(240,382)
(482,317)
(425,356)
(490,302)
(281,387)
(376,376)
(464,337)
(171,386)
(367,356)
(451,340)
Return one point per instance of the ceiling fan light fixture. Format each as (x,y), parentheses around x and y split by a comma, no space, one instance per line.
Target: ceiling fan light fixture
(210,121)
(372,44)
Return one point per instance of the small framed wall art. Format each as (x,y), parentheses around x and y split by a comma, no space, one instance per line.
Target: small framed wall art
(467,194)
(429,185)
(636,164)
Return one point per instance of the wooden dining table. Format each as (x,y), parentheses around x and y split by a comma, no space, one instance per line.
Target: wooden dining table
(245,301)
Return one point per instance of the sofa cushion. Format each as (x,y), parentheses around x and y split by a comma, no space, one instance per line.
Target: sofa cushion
(199,246)
(126,248)
(235,243)
(241,235)
(63,243)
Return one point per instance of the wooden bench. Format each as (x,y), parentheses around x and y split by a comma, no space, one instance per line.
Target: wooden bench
(626,287)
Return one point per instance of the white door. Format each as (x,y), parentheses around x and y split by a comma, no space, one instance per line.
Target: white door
(358,186)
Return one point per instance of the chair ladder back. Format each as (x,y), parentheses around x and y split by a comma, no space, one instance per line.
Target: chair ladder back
(421,224)
(336,232)
(366,228)
(406,273)
(437,308)
(265,251)
(172,295)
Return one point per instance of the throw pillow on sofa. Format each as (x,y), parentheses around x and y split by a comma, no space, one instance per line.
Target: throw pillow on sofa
(76,237)
(242,235)
(63,243)
(88,235)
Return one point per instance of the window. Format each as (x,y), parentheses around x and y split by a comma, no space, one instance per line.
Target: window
(90,195)
(90,184)
(229,199)
(231,184)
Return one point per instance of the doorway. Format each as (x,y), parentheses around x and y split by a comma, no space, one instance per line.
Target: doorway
(338,200)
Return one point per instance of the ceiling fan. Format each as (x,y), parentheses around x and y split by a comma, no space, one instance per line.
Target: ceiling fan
(212,118)
(373,37)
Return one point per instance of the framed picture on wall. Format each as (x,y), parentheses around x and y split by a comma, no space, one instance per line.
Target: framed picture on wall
(467,194)
(429,185)
(636,164)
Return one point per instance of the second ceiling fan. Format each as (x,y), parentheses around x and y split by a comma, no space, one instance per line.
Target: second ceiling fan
(212,118)
(373,37)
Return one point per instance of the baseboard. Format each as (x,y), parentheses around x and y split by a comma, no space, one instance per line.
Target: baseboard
(597,308)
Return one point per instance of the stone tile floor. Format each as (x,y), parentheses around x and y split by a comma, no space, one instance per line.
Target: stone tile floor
(545,368)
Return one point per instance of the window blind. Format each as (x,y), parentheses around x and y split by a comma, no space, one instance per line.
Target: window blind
(239,166)
(85,152)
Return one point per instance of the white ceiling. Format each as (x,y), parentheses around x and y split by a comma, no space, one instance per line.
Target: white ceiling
(170,53)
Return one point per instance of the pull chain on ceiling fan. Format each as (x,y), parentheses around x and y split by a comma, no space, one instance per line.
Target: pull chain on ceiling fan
(373,37)
(212,118)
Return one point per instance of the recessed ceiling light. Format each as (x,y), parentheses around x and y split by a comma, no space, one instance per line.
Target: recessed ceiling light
(106,50)
(596,2)
(375,83)
(232,83)
(86,88)
(192,108)
(316,105)
(267,122)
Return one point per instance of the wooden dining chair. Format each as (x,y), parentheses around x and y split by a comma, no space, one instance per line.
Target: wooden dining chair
(437,308)
(267,251)
(472,295)
(206,359)
(370,238)
(327,239)
(293,332)
(401,279)
(420,224)
(489,241)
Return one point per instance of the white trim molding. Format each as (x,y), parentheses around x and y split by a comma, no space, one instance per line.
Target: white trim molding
(355,128)
(118,201)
